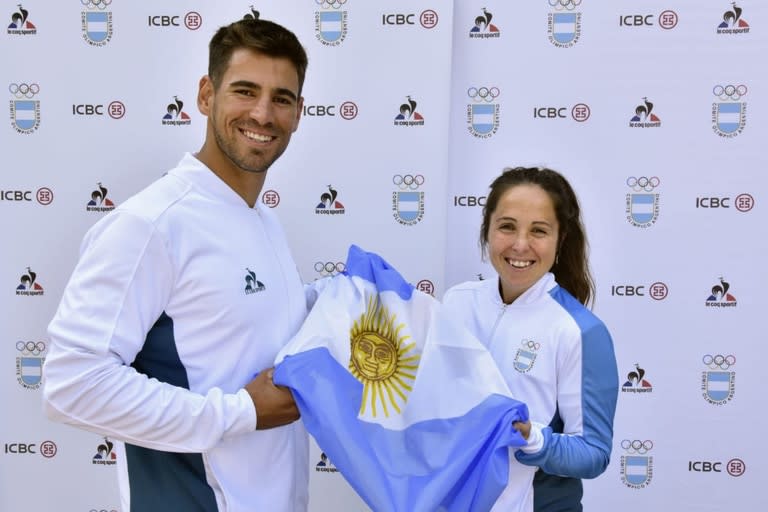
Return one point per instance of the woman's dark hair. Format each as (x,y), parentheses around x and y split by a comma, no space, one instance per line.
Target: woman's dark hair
(259,35)
(571,268)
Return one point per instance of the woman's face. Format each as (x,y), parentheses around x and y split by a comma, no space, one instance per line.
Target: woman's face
(522,238)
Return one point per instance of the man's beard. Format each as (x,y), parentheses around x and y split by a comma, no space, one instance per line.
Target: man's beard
(253,162)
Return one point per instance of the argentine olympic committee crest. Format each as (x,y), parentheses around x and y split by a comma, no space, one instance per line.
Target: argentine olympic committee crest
(642,207)
(636,464)
(29,363)
(729,114)
(483,112)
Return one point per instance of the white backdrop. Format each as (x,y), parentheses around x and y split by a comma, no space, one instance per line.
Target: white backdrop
(620,98)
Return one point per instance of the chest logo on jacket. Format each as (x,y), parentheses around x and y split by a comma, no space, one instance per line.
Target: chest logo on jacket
(252,285)
(526,355)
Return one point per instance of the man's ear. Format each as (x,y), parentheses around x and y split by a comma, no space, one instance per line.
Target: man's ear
(205,95)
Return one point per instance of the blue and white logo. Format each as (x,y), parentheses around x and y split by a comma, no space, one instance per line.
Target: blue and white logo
(729,115)
(718,383)
(96,22)
(564,24)
(483,112)
(526,355)
(25,110)
(331,22)
(408,202)
(636,464)
(642,208)
(29,363)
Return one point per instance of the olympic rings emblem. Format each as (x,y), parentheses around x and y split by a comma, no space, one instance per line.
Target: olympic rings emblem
(564,4)
(643,183)
(531,345)
(92,4)
(637,446)
(329,267)
(719,361)
(729,92)
(24,90)
(30,347)
(408,181)
(328,4)
(483,93)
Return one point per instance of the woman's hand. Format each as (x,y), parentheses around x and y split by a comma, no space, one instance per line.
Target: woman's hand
(523,428)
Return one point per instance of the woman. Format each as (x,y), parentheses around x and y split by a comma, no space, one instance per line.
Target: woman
(554,353)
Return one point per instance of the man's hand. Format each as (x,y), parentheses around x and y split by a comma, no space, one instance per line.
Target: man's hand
(274,404)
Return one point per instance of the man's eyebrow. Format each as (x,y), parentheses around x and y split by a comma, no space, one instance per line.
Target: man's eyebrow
(252,85)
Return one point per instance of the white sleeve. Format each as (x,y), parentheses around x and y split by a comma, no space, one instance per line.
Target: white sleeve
(119,288)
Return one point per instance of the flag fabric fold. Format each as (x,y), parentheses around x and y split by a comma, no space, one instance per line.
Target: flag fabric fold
(409,407)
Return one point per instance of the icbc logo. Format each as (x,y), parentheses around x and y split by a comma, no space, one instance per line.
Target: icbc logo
(426,286)
(20,448)
(713,202)
(628,290)
(468,200)
(635,20)
(703,466)
(742,202)
(549,112)
(319,110)
(44,195)
(47,448)
(734,467)
(656,291)
(398,19)
(87,110)
(163,21)
(428,19)
(270,198)
(348,110)
(667,20)
(116,110)
(192,20)
(15,195)
(579,112)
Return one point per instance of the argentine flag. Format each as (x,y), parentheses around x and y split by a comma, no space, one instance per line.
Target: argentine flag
(411,408)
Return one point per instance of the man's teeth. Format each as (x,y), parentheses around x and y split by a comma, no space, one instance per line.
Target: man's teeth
(257,137)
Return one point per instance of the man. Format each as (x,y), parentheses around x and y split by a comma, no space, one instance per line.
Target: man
(186,291)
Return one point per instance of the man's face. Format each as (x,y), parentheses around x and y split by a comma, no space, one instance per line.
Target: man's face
(255,109)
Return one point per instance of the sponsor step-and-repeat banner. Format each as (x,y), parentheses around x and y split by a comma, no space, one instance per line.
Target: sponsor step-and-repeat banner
(654,112)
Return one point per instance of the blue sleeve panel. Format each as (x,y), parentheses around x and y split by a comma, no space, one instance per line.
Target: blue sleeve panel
(586,455)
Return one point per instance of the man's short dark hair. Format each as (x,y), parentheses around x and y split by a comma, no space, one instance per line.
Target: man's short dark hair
(259,35)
